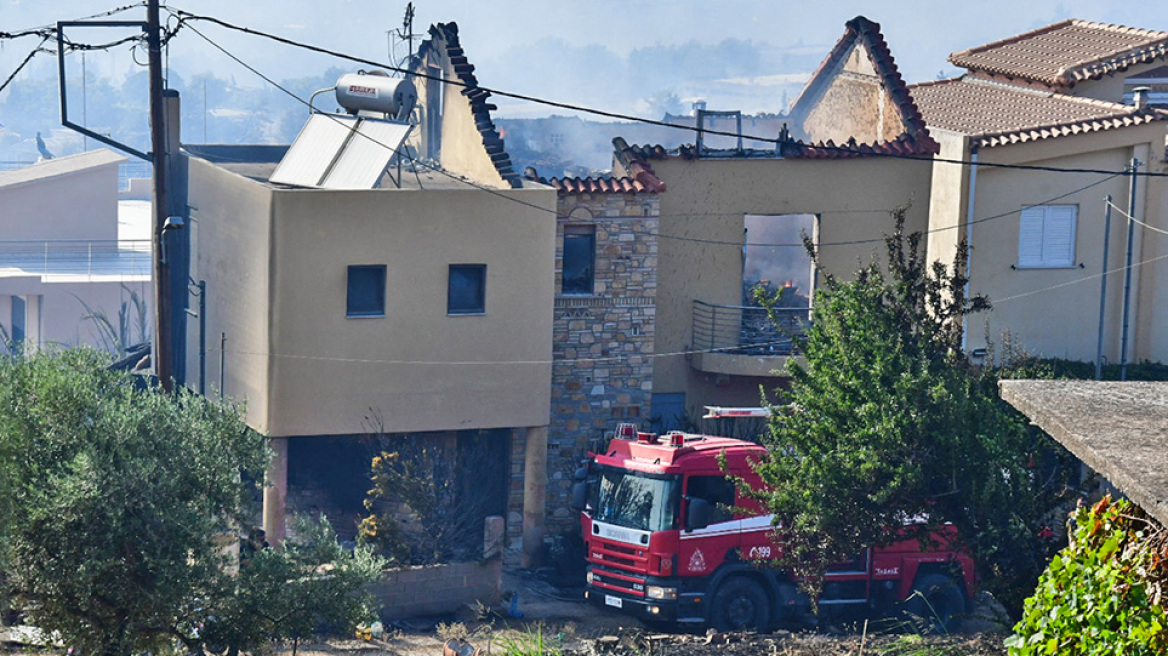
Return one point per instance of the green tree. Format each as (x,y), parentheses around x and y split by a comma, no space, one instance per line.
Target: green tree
(123,497)
(893,433)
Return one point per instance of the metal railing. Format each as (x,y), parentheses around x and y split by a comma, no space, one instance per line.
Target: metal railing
(69,257)
(746,330)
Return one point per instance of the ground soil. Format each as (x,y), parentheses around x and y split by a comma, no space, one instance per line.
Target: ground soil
(570,627)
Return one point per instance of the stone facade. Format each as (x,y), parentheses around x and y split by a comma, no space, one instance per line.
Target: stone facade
(602,349)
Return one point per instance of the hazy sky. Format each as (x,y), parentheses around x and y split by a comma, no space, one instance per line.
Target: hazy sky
(504,37)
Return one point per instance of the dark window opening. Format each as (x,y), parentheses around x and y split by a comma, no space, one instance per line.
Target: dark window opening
(366,296)
(579,259)
(18,320)
(718,490)
(467,289)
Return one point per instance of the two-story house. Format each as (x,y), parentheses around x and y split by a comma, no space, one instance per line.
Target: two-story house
(1029,108)
(417,309)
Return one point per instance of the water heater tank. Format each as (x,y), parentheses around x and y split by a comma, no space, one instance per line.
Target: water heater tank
(376,92)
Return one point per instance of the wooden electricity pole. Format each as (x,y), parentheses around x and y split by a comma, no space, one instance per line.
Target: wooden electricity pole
(164,348)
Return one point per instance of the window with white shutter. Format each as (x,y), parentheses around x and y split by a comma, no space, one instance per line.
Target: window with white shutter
(1046,237)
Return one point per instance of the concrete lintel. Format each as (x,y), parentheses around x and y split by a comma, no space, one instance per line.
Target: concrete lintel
(1119,429)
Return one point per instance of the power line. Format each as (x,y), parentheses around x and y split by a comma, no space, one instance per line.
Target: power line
(185,17)
(39,49)
(1137,221)
(461,363)
(1076,281)
(500,194)
(853,242)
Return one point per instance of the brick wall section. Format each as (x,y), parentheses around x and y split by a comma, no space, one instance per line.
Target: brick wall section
(602,347)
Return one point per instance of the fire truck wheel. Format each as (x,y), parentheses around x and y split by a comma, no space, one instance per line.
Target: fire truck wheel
(938,600)
(739,603)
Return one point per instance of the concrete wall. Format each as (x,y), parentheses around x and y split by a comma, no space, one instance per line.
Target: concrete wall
(1055,312)
(949,198)
(231,249)
(701,226)
(418,368)
(74,197)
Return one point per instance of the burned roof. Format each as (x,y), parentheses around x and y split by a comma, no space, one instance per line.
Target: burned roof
(1117,429)
(447,35)
(1067,52)
(996,113)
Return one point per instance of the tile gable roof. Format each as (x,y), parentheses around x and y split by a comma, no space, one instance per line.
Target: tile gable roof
(1064,53)
(447,33)
(865,31)
(996,114)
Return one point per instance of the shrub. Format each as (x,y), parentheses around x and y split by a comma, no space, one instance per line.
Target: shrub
(1104,593)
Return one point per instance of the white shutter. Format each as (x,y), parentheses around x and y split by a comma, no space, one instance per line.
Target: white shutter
(1046,236)
(1030,237)
(1058,248)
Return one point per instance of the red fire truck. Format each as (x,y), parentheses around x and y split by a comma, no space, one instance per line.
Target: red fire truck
(663,544)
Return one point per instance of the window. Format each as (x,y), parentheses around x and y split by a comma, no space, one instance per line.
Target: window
(718,490)
(18,320)
(366,291)
(579,259)
(466,291)
(1046,237)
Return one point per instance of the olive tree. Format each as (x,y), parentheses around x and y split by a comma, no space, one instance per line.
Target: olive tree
(123,498)
(892,432)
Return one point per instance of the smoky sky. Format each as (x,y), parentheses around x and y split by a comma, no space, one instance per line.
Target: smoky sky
(613,55)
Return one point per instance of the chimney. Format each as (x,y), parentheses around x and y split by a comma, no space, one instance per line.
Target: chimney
(1140,97)
(699,106)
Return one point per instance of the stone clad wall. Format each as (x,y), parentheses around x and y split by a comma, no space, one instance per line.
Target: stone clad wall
(602,344)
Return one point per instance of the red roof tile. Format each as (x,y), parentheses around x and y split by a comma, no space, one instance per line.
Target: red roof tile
(1064,53)
(996,114)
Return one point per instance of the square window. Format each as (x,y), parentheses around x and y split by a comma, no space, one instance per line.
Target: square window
(579,259)
(466,290)
(366,291)
(1046,237)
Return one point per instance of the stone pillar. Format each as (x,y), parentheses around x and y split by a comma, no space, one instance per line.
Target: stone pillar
(534,492)
(276,491)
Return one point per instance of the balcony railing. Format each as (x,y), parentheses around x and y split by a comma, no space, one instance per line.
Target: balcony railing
(112,257)
(745,330)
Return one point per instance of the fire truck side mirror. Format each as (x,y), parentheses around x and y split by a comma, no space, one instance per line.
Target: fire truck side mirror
(698,514)
(581,474)
(579,496)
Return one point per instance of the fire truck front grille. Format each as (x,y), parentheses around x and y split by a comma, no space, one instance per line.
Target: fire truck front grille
(618,556)
(633,585)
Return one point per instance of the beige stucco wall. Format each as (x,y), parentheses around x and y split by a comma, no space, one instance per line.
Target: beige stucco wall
(231,236)
(948,201)
(1055,312)
(58,200)
(1110,87)
(701,225)
(416,368)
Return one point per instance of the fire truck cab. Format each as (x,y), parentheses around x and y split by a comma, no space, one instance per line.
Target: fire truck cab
(662,543)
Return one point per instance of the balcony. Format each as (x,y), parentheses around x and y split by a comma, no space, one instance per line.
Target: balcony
(741,340)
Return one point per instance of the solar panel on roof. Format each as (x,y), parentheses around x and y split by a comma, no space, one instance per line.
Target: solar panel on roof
(312,154)
(340,152)
(362,161)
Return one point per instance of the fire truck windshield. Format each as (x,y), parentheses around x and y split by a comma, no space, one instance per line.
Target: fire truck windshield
(636,500)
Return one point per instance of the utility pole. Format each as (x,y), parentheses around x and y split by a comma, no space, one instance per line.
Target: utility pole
(1127,273)
(163,350)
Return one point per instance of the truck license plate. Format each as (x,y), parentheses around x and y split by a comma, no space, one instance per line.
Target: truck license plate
(615,602)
